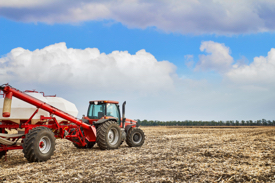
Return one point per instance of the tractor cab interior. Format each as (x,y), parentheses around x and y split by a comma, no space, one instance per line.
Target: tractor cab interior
(97,110)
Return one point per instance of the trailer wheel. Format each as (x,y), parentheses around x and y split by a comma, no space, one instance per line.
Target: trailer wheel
(39,144)
(2,153)
(108,135)
(135,137)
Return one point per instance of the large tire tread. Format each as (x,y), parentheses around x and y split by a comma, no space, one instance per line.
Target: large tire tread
(30,149)
(29,136)
(129,137)
(102,133)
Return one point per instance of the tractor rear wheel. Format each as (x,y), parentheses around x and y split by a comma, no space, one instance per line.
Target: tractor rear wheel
(2,153)
(39,144)
(109,135)
(135,137)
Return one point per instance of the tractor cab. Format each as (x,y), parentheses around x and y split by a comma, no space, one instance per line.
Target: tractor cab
(104,108)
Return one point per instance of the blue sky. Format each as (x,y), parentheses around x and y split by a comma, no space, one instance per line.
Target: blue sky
(109,37)
(185,60)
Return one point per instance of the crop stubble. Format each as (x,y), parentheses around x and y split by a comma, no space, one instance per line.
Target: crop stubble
(170,154)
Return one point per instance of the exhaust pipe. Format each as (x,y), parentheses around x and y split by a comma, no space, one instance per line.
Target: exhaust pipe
(123,114)
(7,105)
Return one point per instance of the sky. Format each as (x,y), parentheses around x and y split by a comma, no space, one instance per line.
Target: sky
(169,59)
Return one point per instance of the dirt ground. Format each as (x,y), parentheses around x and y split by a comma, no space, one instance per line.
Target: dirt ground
(169,154)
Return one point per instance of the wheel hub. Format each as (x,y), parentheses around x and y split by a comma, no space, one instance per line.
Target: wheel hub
(45,145)
(41,144)
(113,136)
(137,138)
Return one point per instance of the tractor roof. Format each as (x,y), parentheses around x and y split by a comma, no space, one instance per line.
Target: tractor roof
(104,101)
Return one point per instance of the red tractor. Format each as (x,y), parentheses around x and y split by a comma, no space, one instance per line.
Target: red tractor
(103,125)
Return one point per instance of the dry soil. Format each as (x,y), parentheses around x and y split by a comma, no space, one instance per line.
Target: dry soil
(170,154)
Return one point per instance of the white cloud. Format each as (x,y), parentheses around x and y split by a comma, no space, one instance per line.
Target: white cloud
(58,65)
(145,83)
(25,3)
(189,16)
(260,72)
(258,75)
(217,59)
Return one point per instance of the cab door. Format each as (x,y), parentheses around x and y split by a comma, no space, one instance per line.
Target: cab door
(113,111)
(96,111)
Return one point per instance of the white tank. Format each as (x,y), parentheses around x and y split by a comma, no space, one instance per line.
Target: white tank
(21,110)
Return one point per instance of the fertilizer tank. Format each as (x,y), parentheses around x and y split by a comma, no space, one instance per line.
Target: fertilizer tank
(21,110)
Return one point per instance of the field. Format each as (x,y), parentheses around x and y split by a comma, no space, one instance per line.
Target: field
(170,154)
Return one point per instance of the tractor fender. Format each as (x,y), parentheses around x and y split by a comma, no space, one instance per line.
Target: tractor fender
(128,127)
(103,121)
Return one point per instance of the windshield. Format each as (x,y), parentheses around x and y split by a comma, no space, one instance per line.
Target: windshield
(112,110)
(96,111)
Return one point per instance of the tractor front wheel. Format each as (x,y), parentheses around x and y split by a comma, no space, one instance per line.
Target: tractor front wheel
(109,135)
(135,137)
(39,144)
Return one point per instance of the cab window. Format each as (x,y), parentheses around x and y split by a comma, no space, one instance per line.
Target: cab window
(112,110)
(96,111)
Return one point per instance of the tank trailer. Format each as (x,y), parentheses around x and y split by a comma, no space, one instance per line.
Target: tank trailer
(103,125)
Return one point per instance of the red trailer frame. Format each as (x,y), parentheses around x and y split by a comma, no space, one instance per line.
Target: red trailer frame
(69,129)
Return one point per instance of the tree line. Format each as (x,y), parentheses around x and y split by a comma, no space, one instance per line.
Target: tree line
(262,122)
